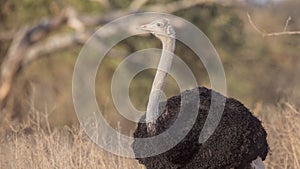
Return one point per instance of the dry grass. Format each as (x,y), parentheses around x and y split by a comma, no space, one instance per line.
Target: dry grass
(32,145)
(283,127)
(35,146)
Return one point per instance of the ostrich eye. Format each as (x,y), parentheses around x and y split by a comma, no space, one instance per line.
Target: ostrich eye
(158,24)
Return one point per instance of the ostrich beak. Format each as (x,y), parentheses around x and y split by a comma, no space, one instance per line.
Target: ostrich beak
(144,27)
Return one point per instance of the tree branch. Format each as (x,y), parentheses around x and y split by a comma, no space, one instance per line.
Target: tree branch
(265,34)
(55,44)
(23,39)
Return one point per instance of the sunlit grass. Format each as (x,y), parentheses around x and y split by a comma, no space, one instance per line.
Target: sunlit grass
(34,144)
(283,126)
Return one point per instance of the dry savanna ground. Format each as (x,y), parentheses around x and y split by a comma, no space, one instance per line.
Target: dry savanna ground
(33,146)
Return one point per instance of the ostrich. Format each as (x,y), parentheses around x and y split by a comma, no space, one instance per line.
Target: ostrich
(239,141)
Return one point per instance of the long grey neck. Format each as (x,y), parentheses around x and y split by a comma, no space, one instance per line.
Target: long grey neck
(163,69)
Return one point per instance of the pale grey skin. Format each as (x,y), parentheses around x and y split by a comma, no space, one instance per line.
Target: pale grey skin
(164,31)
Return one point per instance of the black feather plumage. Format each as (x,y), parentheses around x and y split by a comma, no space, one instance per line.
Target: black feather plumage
(238,139)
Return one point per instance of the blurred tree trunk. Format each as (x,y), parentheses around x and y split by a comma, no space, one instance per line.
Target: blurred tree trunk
(24,39)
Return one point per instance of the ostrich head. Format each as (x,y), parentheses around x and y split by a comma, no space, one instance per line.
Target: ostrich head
(160,28)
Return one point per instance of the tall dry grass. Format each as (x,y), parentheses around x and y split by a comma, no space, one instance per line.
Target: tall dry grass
(283,127)
(35,145)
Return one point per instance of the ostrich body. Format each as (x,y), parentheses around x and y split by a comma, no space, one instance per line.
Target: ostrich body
(239,141)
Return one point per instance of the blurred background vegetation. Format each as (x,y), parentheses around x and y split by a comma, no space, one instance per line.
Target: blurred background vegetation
(260,70)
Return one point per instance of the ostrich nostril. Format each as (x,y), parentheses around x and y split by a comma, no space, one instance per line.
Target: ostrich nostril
(142,27)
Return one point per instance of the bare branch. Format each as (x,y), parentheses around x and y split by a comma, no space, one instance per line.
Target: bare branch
(73,20)
(22,40)
(168,8)
(287,23)
(54,44)
(254,26)
(265,34)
